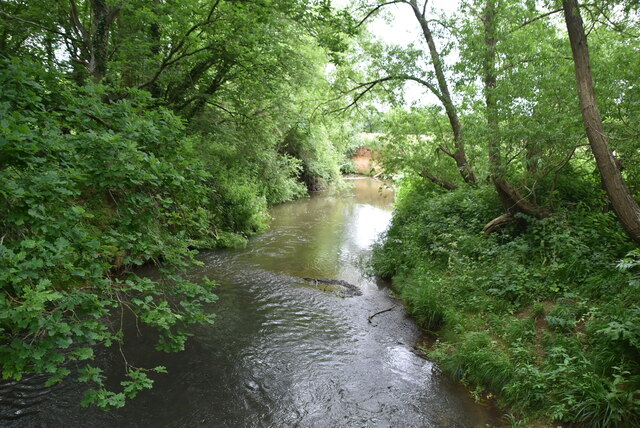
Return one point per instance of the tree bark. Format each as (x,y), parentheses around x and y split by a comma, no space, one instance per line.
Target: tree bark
(175,93)
(99,40)
(622,201)
(193,105)
(96,42)
(459,155)
(201,99)
(498,223)
(154,32)
(490,83)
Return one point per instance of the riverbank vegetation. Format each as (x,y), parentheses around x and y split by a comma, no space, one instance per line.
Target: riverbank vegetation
(543,314)
(139,131)
(136,132)
(509,242)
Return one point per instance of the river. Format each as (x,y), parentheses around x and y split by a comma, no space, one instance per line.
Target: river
(284,352)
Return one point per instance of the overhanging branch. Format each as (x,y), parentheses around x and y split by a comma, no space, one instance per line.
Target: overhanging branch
(35,24)
(368,86)
(532,20)
(375,9)
(170,57)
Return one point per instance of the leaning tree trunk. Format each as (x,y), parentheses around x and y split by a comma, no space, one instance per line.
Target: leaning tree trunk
(459,155)
(512,201)
(623,202)
(445,184)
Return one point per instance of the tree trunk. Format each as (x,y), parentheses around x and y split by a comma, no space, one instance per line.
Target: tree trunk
(445,184)
(154,32)
(102,17)
(498,223)
(490,83)
(99,40)
(622,201)
(194,105)
(459,155)
(176,93)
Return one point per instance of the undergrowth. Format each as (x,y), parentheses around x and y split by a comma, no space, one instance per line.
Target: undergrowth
(545,314)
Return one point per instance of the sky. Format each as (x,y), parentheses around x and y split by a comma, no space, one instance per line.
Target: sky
(403,28)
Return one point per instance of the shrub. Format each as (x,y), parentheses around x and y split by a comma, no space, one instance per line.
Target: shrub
(89,190)
(576,362)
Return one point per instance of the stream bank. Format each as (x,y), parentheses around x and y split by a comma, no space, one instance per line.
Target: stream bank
(282,353)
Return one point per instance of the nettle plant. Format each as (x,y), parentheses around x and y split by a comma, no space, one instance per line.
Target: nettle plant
(89,189)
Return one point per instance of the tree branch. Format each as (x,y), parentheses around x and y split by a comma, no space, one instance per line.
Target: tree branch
(113,14)
(439,181)
(616,27)
(77,25)
(375,9)
(169,59)
(532,20)
(226,110)
(445,150)
(371,84)
(506,67)
(35,24)
(370,317)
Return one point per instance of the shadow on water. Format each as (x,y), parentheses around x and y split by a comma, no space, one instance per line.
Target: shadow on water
(282,354)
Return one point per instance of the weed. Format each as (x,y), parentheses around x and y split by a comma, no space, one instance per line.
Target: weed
(545,316)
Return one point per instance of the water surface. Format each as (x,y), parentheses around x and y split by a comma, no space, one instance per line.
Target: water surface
(283,353)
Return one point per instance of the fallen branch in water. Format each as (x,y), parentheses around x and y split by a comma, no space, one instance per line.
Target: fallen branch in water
(380,312)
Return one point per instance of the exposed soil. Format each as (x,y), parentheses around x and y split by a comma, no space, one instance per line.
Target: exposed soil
(364,160)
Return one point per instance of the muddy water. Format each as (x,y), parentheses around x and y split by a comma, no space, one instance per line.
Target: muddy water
(285,352)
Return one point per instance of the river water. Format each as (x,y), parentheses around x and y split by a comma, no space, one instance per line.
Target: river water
(284,352)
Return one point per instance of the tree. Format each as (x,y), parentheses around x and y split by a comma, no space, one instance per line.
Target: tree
(440,89)
(459,155)
(623,202)
(136,131)
(511,199)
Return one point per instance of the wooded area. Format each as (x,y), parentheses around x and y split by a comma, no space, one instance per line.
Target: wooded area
(135,132)
(541,309)
(139,131)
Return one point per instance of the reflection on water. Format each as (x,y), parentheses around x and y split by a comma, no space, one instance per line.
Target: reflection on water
(323,236)
(282,355)
(366,224)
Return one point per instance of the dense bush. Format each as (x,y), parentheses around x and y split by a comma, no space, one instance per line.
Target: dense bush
(321,149)
(153,131)
(244,183)
(89,188)
(542,314)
